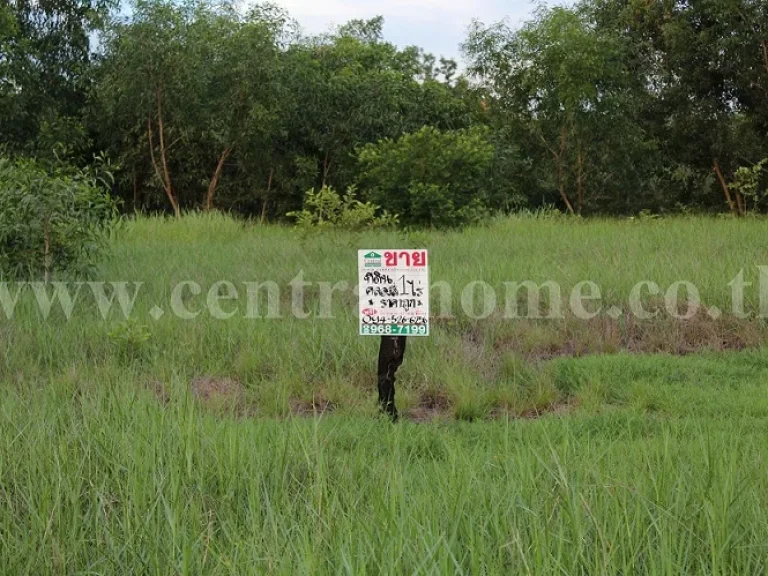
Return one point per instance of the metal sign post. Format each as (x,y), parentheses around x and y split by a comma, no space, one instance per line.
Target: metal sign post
(394,304)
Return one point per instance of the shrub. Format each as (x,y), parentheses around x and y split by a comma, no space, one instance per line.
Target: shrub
(430,177)
(747,182)
(130,338)
(53,219)
(326,209)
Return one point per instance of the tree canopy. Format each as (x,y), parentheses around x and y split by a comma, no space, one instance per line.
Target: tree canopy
(605,107)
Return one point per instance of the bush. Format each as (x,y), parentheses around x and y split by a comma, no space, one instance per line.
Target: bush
(52,219)
(747,180)
(326,209)
(430,177)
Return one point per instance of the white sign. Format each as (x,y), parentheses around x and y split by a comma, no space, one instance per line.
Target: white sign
(394,292)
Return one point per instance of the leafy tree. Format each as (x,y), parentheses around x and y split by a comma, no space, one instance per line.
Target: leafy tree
(563,89)
(429,177)
(184,86)
(144,84)
(52,219)
(237,64)
(706,69)
(351,88)
(45,65)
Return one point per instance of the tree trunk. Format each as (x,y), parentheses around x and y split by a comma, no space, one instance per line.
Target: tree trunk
(164,156)
(326,169)
(266,197)
(724,186)
(165,182)
(561,186)
(135,192)
(215,178)
(558,157)
(764,49)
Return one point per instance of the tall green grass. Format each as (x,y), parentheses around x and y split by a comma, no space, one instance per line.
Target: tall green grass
(480,363)
(103,479)
(647,464)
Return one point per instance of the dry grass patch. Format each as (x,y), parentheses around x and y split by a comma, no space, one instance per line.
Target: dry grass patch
(316,406)
(543,339)
(432,405)
(220,394)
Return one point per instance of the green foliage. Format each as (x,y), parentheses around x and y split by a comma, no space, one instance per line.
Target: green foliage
(564,94)
(326,209)
(701,71)
(202,89)
(239,111)
(45,66)
(603,107)
(747,181)
(53,219)
(131,338)
(430,177)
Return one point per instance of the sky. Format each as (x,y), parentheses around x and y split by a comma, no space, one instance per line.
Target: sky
(438,26)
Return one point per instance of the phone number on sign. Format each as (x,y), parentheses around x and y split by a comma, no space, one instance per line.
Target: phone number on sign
(395,330)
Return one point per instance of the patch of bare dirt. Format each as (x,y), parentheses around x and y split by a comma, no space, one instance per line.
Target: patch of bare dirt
(218,393)
(433,405)
(542,340)
(309,408)
(556,408)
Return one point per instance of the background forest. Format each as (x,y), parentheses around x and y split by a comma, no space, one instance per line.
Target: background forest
(606,107)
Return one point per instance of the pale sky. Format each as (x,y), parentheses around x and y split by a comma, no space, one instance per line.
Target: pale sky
(438,26)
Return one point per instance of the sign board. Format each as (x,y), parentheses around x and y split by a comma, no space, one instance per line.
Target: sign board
(394,292)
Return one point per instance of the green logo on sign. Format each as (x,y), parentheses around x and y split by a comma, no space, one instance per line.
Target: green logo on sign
(372,260)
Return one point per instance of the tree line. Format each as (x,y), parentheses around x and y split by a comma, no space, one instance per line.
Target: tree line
(605,107)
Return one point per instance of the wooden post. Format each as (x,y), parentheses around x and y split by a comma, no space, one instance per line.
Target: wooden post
(391,354)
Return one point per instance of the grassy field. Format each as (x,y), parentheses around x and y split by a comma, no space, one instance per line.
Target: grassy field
(238,446)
